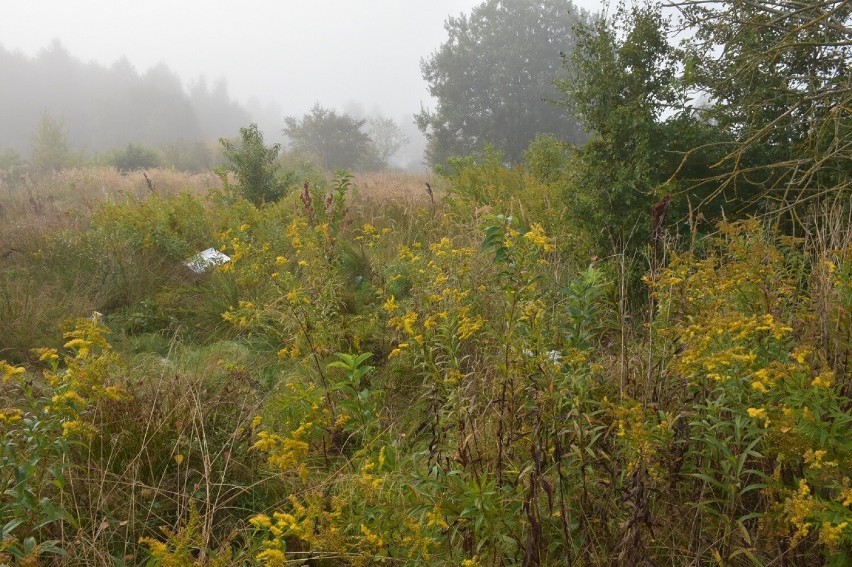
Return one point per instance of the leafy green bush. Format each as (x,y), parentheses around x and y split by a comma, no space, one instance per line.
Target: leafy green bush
(134,157)
(254,165)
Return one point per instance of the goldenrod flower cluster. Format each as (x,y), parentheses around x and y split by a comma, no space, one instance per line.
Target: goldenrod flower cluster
(286,453)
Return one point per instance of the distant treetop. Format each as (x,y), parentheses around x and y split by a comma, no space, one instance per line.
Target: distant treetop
(493,79)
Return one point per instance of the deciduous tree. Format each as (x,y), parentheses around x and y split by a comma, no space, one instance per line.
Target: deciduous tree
(777,75)
(387,137)
(622,80)
(51,149)
(338,141)
(493,79)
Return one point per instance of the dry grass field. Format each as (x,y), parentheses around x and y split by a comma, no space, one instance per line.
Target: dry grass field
(65,199)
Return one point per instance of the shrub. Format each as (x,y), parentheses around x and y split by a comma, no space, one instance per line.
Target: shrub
(254,165)
(135,157)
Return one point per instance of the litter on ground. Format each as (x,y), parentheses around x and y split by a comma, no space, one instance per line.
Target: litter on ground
(206,260)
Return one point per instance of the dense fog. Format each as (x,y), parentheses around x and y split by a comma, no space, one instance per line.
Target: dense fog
(169,77)
(108,107)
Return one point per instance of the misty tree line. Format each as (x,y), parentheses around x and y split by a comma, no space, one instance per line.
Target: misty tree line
(493,80)
(58,112)
(618,91)
(102,108)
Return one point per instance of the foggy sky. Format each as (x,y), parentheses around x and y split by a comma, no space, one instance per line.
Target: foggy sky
(290,53)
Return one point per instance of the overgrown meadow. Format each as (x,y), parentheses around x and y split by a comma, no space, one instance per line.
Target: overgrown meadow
(386,375)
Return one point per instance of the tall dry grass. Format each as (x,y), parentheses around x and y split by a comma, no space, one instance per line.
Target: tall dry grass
(393,186)
(47,204)
(39,289)
(395,199)
(37,211)
(178,446)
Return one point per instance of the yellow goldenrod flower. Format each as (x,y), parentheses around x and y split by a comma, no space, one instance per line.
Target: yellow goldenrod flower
(46,354)
(156,548)
(10,415)
(70,396)
(115,393)
(756,413)
(435,518)
(82,346)
(468,327)
(10,371)
(800,355)
(272,557)
(372,537)
(261,521)
(824,380)
(76,428)
(846,496)
(829,534)
(390,305)
(405,322)
(536,236)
